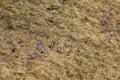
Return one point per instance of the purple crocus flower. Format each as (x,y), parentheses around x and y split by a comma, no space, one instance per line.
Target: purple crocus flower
(13,48)
(40,47)
(108,17)
(33,55)
(68,51)
(110,9)
(79,48)
(27,62)
(86,39)
(52,43)
(28,21)
(103,22)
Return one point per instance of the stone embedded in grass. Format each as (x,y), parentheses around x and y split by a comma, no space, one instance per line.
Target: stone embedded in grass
(40,47)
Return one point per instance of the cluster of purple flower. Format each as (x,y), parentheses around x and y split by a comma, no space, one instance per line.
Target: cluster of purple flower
(105,19)
(42,49)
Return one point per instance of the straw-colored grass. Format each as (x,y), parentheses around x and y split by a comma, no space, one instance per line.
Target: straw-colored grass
(84,50)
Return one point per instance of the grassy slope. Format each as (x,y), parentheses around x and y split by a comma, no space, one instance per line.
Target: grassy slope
(68,22)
